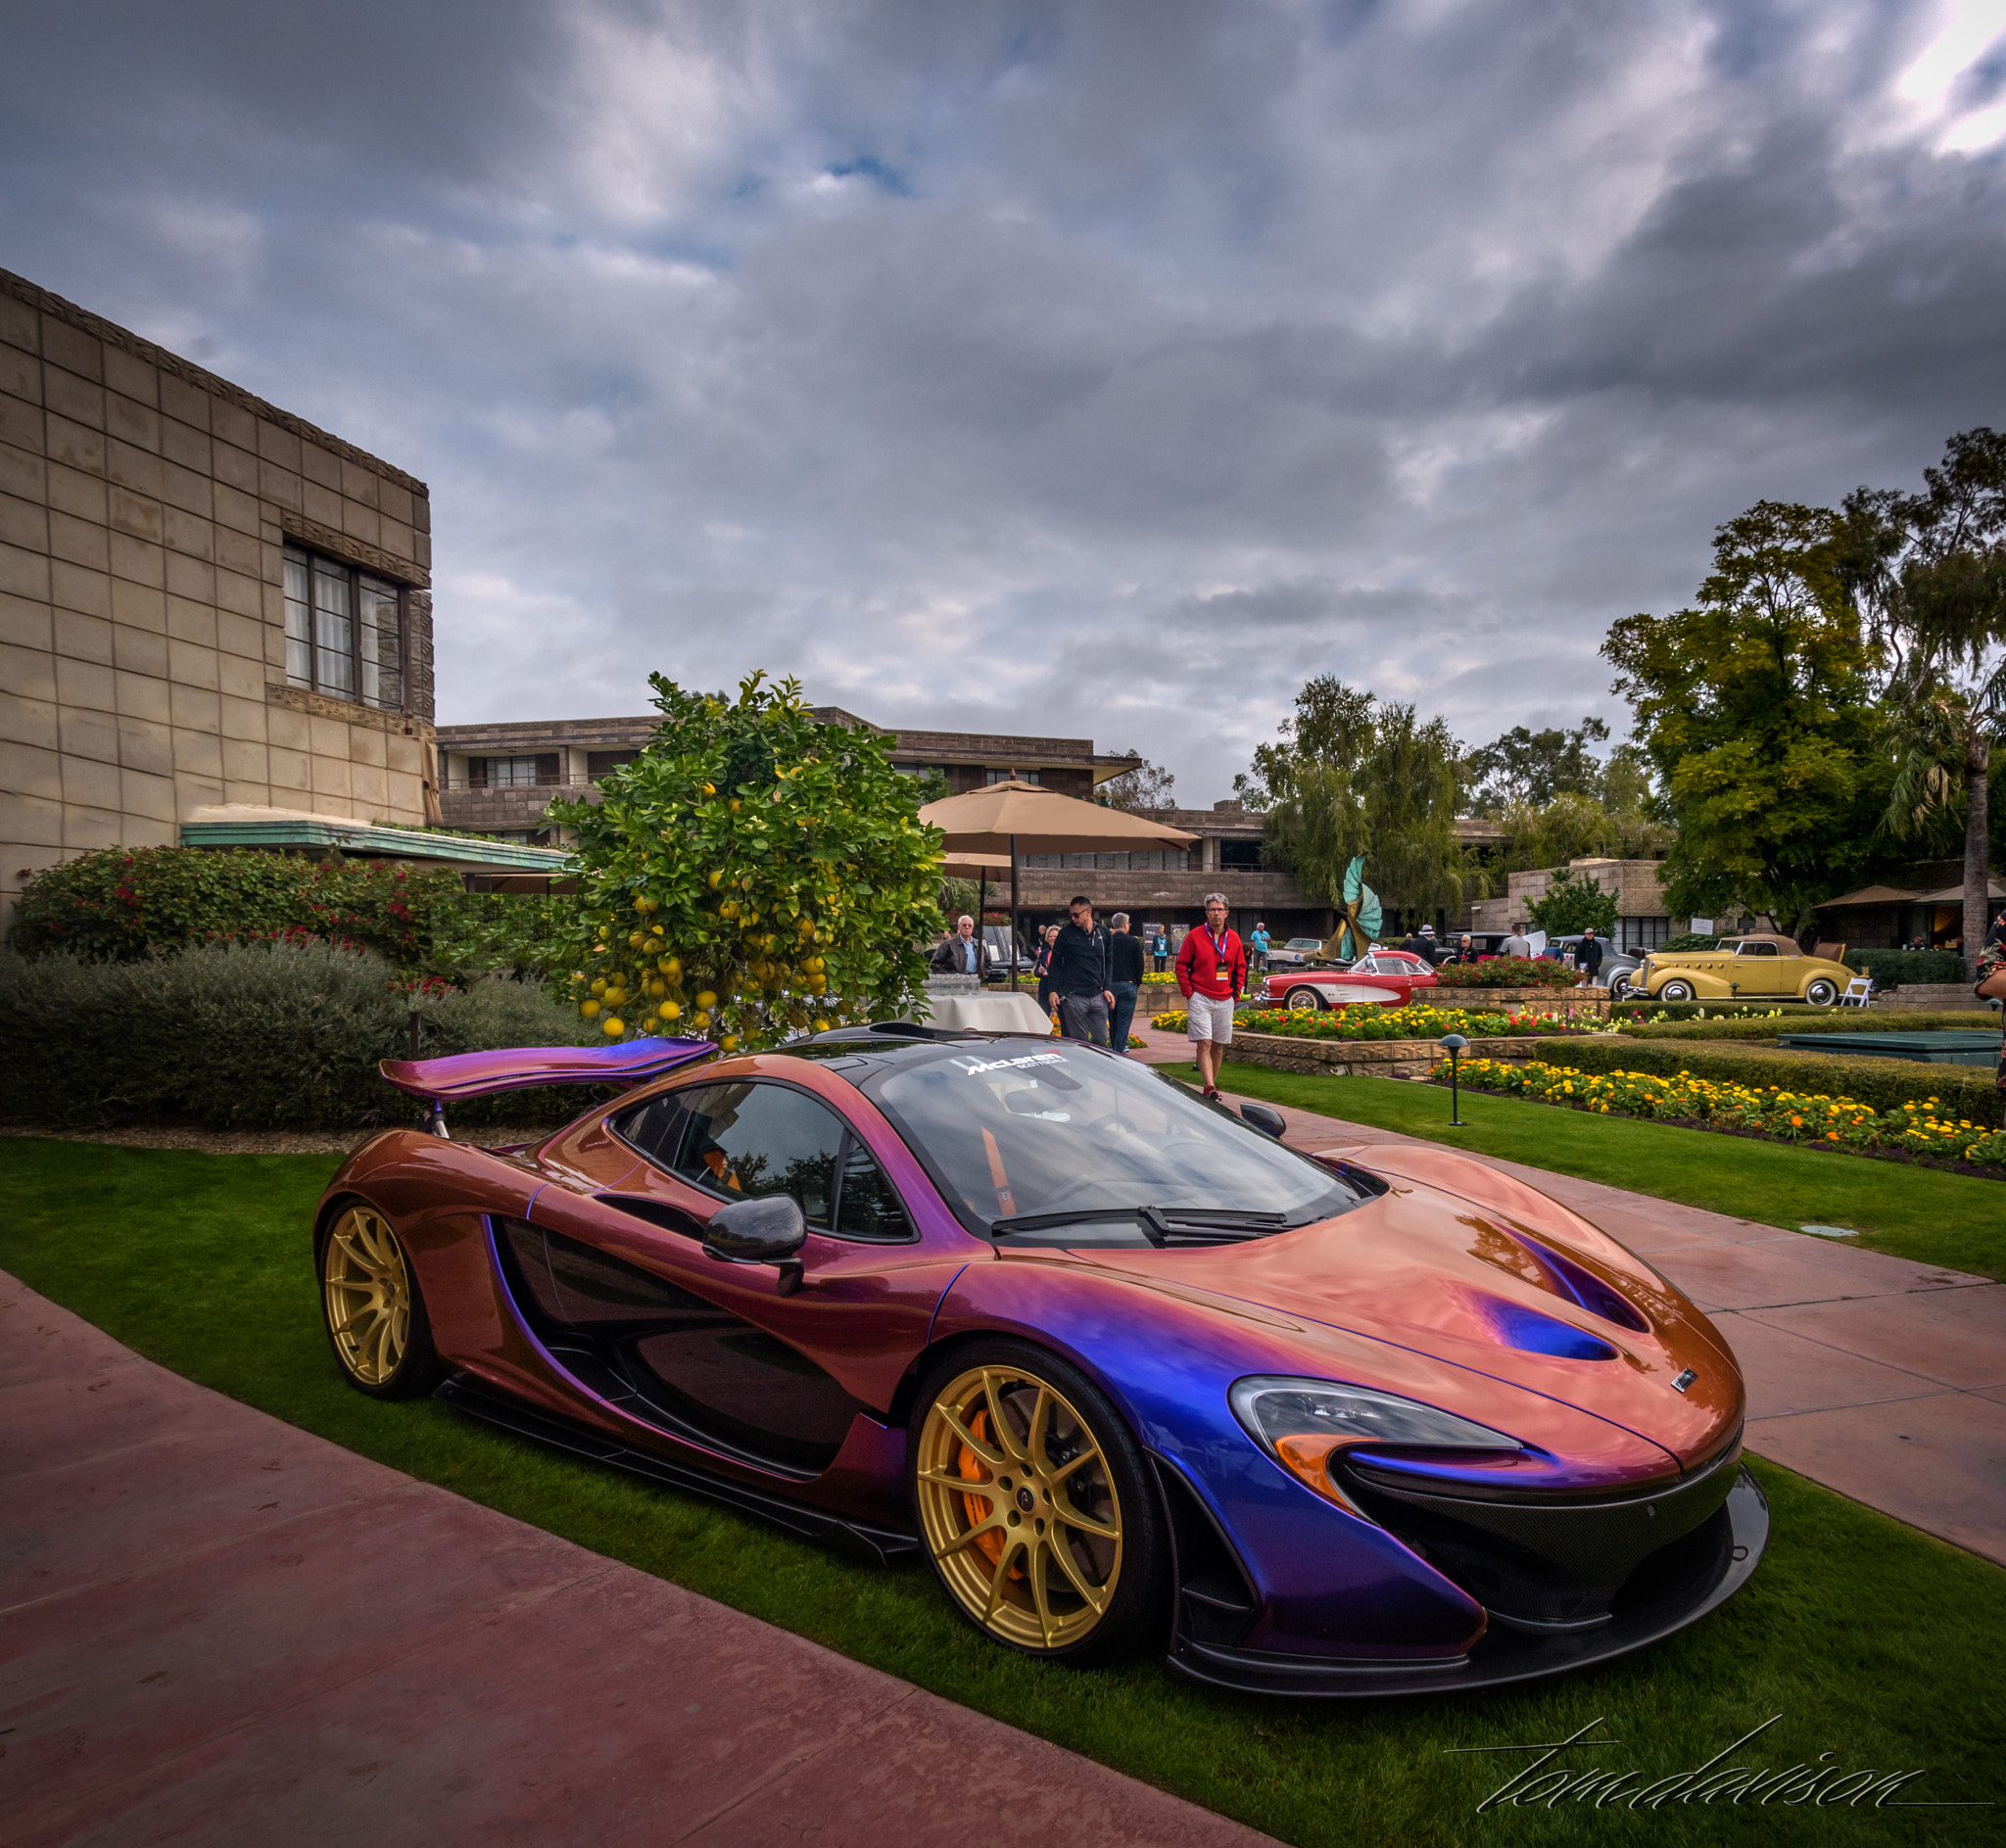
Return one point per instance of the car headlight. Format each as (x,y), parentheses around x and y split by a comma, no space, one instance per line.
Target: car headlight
(1304,1423)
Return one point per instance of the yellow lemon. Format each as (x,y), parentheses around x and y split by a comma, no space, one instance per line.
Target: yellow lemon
(707,998)
(641,904)
(725,1044)
(656,929)
(671,967)
(669,1010)
(614,1027)
(820,1025)
(735,805)
(600,987)
(699,1021)
(589,1008)
(710,788)
(635,941)
(716,878)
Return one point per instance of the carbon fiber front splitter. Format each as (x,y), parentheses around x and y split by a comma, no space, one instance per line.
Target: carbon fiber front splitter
(1676,1587)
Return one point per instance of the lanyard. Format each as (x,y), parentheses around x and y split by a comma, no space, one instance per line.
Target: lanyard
(1219,943)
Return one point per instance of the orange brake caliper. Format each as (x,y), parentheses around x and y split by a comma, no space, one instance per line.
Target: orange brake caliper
(972,1470)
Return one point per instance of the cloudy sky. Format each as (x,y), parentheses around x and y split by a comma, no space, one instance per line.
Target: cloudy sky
(1097,369)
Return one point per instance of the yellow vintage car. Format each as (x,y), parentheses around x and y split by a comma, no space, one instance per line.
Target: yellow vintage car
(1740,968)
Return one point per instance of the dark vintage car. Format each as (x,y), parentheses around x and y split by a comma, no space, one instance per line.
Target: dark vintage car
(1117,1363)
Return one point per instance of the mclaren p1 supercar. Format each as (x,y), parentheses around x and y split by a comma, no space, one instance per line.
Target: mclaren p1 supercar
(1118,1363)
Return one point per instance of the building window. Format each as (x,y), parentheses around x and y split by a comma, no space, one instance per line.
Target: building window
(343,631)
(1150,860)
(1643,933)
(512,773)
(1010,776)
(1240,855)
(597,763)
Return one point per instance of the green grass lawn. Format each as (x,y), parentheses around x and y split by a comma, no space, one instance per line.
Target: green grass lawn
(1926,1215)
(1873,1641)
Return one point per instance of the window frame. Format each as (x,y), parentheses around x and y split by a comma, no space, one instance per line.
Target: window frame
(848,1141)
(354,573)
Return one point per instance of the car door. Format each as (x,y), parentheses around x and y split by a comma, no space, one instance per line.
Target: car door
(716,1348)
(1761,968)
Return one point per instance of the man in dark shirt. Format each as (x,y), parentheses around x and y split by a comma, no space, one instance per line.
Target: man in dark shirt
(1124,979)
(1079,976)
(1588,953)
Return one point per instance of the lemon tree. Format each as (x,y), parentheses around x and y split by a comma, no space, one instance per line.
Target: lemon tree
(751,874)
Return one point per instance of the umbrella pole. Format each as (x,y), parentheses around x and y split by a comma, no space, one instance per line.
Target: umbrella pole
(982,916)
(1013,914)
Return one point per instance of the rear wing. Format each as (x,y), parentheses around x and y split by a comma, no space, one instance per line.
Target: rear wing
(523,1067)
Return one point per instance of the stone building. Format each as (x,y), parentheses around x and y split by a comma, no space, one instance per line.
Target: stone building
(206,603)
(1642,920)
(499,779)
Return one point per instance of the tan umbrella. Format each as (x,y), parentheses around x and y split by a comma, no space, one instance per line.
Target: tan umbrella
(1025,819)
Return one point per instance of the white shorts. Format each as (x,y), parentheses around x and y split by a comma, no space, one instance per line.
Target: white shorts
(1212,1017)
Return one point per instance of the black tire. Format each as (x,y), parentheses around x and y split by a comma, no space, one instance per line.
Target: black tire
(1822,993)
(1676,991)
(1137,1609)
(391,1356)
(1302,1001)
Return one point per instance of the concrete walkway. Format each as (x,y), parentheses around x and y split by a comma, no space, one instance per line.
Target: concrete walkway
(1883,1378)
(216,1630)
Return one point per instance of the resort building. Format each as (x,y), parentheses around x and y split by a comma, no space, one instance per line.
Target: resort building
(210,612)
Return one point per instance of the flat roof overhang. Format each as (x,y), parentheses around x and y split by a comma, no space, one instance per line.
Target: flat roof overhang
(273,829)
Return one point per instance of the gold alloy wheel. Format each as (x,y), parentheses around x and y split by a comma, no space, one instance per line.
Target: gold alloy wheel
(367,1288)
(1018,1509)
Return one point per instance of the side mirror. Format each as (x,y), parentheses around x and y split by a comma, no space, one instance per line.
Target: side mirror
(1264,1119)
(768,1231)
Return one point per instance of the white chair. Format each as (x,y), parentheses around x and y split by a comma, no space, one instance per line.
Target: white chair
(1857,992)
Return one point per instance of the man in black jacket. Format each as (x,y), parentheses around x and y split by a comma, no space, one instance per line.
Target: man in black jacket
(1588,953)
(1079,976)
(1124,979)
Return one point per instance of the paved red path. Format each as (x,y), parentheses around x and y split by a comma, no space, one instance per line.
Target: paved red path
(1878,1377)
(217,1629)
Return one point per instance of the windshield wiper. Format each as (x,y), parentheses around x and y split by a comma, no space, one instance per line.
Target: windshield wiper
(1038,1222)
(1166,1224)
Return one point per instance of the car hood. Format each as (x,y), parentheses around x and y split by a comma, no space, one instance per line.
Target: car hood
(1514,1290)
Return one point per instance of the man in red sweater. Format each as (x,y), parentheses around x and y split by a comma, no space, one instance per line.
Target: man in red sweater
(1211,970)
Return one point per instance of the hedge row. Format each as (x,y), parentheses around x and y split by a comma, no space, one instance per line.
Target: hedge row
(1900,969)
(235,1036)
(1966,1091)
(1851,1020)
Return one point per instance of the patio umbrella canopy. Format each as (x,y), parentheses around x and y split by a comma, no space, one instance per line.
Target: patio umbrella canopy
(1020,818)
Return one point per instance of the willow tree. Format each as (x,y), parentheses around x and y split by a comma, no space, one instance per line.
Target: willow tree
(1349,775)
(751,874)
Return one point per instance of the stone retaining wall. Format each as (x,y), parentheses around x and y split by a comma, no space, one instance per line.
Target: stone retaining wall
(1572,1002)
(1362,1058)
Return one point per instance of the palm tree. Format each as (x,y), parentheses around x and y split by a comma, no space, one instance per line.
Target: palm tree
(1929,573)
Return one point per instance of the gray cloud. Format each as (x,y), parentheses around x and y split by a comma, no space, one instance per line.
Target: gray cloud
(1089,368)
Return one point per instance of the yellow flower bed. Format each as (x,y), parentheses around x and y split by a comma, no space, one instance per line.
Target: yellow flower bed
(1834,1123)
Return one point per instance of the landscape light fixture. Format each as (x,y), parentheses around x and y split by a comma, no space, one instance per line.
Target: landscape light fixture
(1454,1044)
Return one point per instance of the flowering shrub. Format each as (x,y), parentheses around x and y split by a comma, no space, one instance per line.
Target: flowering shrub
(1508,971)
(125,902)
(1829,1122)
(1410,1022)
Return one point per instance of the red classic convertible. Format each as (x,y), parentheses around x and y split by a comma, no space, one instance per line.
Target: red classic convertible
(1385,978)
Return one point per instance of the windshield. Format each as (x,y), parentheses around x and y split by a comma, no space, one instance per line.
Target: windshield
(1040,1142)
